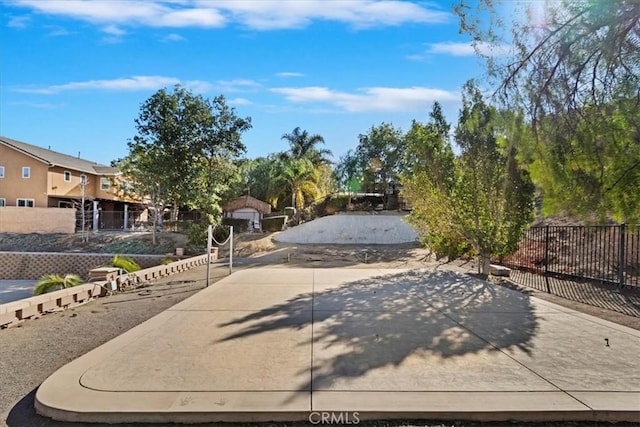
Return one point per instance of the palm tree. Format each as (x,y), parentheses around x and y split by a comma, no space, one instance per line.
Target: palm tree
(54,282)
(299,175)
(303,146)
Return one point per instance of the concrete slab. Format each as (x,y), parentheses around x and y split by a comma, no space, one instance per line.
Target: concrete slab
(280,344)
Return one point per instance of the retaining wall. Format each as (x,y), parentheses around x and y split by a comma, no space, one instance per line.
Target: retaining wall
(17,311)
(33,265)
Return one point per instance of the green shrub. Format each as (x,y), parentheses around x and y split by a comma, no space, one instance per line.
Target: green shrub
(197,235)
(55,282)
(274,223)
(125,263)
(239,224)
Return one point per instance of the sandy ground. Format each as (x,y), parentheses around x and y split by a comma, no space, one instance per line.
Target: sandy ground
(32,351)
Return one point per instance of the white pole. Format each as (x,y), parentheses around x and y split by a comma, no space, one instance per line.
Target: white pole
(231,250)
(209,236)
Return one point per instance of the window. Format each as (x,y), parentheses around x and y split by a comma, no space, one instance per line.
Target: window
(3,202)
(1,171)
(83,179)
(26,172)
(26,203)
(67,176)
(105,184)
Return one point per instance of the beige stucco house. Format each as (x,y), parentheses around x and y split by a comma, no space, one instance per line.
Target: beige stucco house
(32,176)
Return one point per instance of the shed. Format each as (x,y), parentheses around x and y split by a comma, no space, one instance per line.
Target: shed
(247,207)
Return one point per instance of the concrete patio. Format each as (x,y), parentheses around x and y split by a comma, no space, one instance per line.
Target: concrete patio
(270,344)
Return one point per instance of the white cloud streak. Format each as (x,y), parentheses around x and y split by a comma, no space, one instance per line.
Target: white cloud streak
(375,99)
(462,49)
(252,14)
(173,37)
(128,84)
(18,22)
(287,74)
(130,12)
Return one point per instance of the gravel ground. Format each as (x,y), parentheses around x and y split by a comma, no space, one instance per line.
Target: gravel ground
(32,351)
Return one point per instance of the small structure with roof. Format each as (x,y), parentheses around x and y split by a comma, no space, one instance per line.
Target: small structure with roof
(249,208)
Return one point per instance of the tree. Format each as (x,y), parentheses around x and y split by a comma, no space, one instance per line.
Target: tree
(218,146)
(485,200)
(299,175)
(184,151)
(575,69)
(375,164)
(302,145)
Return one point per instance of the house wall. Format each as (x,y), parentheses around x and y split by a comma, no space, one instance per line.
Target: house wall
(13,186)
(58,187)
(37,220)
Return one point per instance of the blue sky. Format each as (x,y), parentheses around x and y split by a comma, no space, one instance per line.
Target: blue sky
(75,72)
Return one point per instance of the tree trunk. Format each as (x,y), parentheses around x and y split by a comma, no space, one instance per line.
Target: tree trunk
(485,264)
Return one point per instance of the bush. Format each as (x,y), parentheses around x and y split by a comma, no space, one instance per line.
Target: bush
(239,224)
(274,223)
(197,235)
(125,263)
(55,282)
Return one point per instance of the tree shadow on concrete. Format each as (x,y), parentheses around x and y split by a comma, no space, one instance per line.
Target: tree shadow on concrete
(364,325)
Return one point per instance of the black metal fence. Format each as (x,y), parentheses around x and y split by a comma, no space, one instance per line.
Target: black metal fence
(607,254)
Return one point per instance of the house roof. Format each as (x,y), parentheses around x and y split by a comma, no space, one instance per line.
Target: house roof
(248,202)
(53,158)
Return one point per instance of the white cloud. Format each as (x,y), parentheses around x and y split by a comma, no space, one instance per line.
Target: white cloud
(154,13)
(128,84)
(240,101)
(375,99)
(287,74)
(39,105)
(172,37)
(253,14)
(56,31)
(114,30)
(18,22)
(238,85)
(463,49)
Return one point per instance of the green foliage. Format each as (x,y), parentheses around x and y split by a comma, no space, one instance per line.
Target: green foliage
(184,152)
(239,224)
(575,70)
(274,223)
(54,282)
(302,145)
(480,201)
(125,263)
(166,261)
(197,235)
(376,163)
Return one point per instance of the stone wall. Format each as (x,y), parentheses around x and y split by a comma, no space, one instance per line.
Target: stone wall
(33,265)
(37,220)
(16,312)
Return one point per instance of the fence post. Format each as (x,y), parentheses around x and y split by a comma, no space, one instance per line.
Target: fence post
(546,258)
(209,238)
(622,258)
(230,249)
